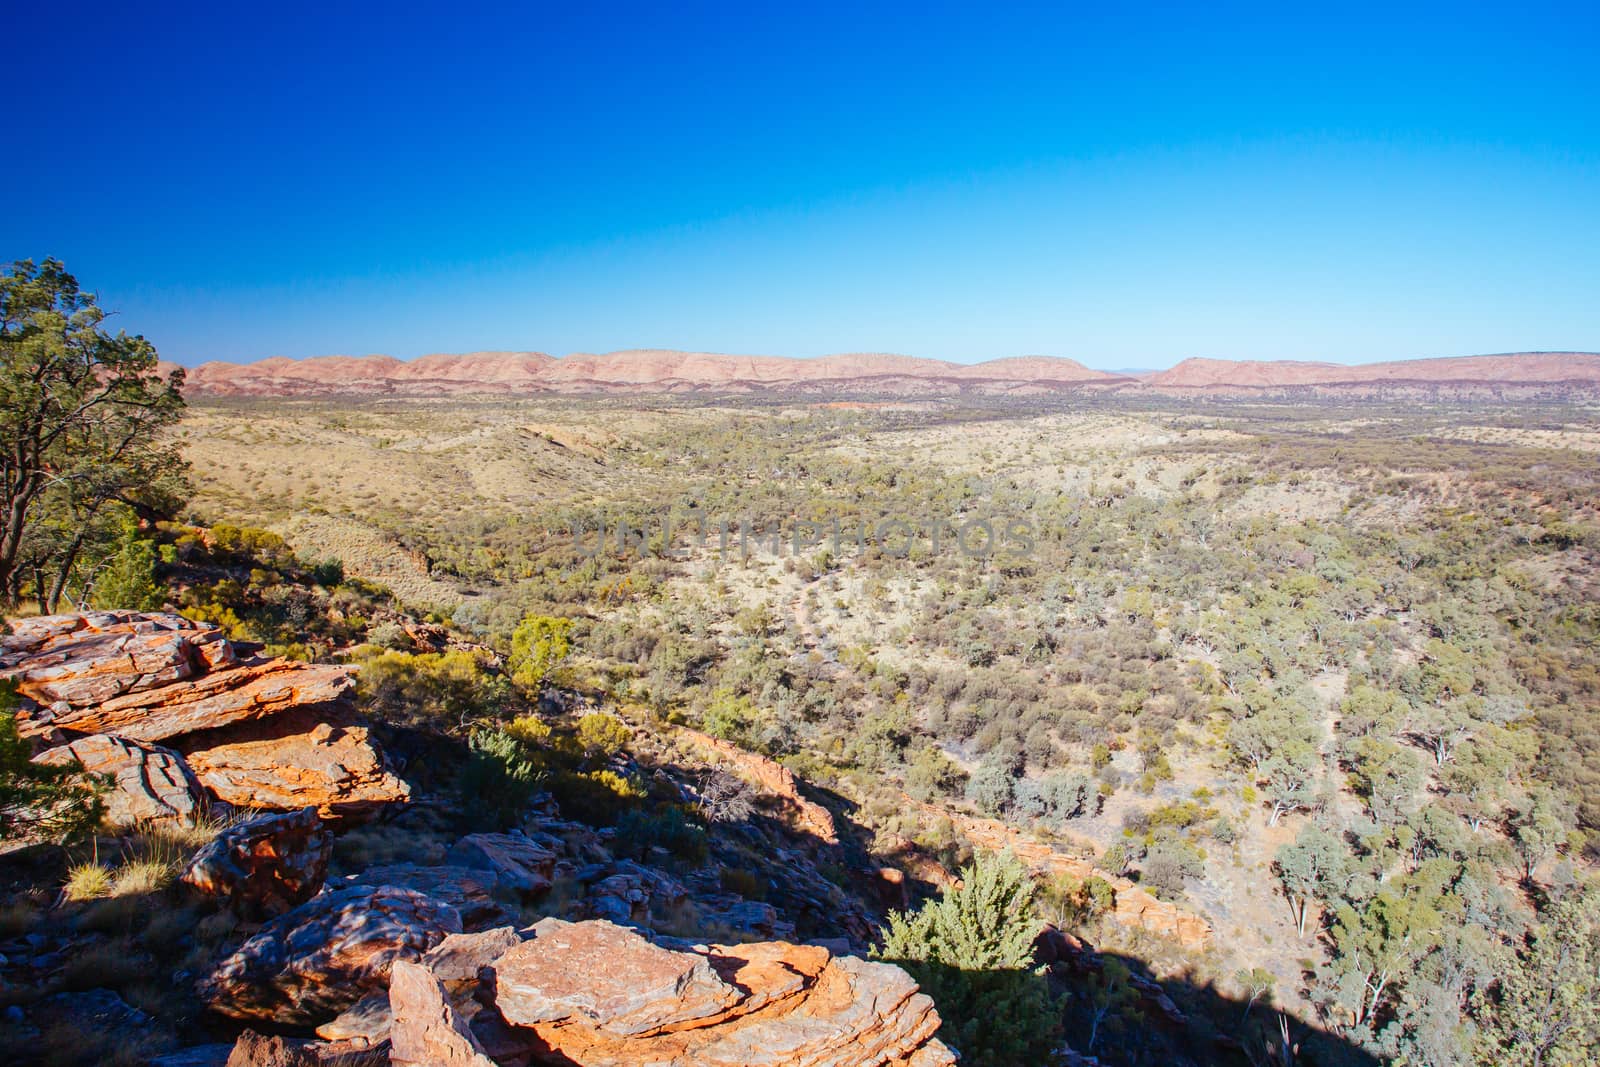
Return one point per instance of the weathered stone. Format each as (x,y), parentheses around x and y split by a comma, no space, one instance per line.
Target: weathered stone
(265,865)
(366,1022)
(470,891)
(459,957)
(607,976)
(752,918)
(626,892)
(150,784)
(520,866)
(258,1050)
(603,996)
(337,769)
(308,965)
(148,677)
(427,1031)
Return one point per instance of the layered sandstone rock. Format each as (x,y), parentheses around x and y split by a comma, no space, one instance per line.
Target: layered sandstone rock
(605,977)
(336,769)
(148,677)
(427,1030)
(594,993)
(254,734)
(265,865)
(149,783)
(308,965)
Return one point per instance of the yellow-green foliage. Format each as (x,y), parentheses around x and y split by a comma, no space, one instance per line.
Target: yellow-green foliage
(538,645)
(529,731)
(602,735)
(248,543)
(624,787)
(88,881)
(434,688)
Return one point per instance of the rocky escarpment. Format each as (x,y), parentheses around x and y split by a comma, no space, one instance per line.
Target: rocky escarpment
(179,720)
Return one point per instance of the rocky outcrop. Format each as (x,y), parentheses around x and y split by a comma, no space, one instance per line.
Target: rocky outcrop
(470,892)
(253,733)
(149,677)
(337,769)
(265,865)
(308,965)
(149,783)
(601,976)
(772,777)
(594,993)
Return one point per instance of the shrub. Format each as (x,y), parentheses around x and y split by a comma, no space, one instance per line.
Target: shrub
(601,735)
(37,801)
(529,731)
(990,789)
(538,644)
(499,777)
(933,775)
(129,579)
(972,951)
(438,689)
(667,827)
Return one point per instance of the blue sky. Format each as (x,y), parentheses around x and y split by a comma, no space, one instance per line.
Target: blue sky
(1127,188)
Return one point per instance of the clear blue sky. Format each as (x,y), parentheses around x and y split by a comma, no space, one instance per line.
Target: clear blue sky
(1127,189)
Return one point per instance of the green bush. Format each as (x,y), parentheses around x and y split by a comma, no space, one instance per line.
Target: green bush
(40,802)
(499,778)
(971,950)
(129,579)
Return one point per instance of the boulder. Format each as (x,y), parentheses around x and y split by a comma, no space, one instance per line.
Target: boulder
(308,965)
(337,769)
(601,995)
(460,957)
(626,892)
(469,891)
(427,1030)
(265,865)
(608,977)
(259,1050)
(149,784)
(519,865)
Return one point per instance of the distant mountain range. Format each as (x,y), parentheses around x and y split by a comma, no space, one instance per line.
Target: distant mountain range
(663,371)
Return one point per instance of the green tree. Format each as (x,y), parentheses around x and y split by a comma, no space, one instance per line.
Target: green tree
(1311,868)
(82,416)
(1546,1009)
(538,645)
(129,577)
(972,952)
